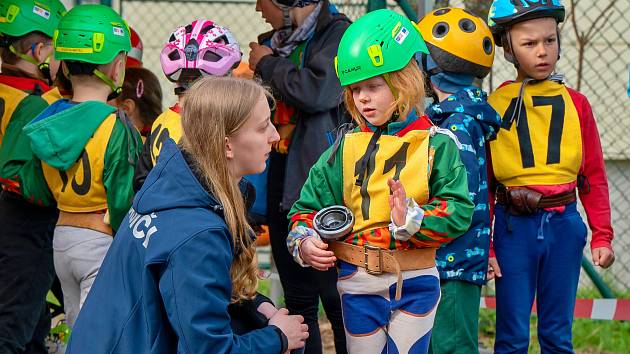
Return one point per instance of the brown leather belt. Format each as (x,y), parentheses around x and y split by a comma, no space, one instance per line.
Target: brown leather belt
(376,260)
(527,201)
(92,221)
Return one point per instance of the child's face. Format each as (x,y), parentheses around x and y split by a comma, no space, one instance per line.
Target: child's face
(271,13)
(535,46)
(373,98)
(248,148)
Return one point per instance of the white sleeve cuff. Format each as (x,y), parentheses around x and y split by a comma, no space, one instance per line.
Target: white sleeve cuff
(413,220)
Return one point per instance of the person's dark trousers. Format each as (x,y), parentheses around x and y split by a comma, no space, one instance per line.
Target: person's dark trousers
(540,258)
(26,274)
(303,287)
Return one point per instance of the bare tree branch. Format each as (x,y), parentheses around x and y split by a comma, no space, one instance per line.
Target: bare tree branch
(583,38)
(600,17)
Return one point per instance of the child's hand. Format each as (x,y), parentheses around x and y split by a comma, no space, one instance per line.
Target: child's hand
(493,269)
(313,252)
(603,257)
(267,309)
(256,53)
(397,202)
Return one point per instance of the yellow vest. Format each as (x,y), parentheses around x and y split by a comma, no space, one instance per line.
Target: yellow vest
(545,147)
(167,125)
(404,158)
(52,95)
(80,189)
(10,98)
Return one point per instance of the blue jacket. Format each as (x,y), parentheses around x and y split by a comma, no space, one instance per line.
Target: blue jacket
(164,286)
(467,114)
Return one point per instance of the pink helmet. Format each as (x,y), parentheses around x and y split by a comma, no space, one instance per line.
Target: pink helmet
(201,47)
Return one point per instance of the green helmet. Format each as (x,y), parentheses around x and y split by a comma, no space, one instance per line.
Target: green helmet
(20,17)
(380,42)
(92,34)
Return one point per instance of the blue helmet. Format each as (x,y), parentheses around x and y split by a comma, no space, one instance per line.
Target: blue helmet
(504,13)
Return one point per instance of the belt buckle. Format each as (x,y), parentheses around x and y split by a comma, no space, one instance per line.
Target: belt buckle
(366,249)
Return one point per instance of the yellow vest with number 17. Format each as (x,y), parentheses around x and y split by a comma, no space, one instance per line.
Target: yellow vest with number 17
(544,145)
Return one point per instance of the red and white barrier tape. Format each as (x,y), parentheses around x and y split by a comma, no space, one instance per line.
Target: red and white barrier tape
(596,309)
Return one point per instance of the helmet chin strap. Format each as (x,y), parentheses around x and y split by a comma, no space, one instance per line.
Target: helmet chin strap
(510,55)
(286,17)
(427,79)
(43,68)
(116,90)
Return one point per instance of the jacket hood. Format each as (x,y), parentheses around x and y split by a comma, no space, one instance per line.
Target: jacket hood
(472,102)
(59,134)
(172,184)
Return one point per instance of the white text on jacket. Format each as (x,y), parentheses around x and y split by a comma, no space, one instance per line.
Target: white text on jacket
(141,227)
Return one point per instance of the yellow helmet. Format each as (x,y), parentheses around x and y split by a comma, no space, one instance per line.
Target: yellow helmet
(458,41)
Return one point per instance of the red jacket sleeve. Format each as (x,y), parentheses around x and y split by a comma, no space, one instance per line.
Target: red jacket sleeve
(594,191)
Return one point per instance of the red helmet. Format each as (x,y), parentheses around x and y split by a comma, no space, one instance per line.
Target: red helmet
(134,57)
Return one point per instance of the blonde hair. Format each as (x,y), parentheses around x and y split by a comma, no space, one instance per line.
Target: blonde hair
(215,108)
(409,85)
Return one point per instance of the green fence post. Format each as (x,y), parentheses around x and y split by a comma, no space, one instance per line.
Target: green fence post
(408,10)
(404,5)
(376,4)
(600,284)
(103,2)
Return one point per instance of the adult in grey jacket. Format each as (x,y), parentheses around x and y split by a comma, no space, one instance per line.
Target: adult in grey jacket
(296,60)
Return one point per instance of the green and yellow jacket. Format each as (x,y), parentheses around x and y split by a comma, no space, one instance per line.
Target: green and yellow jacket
(424,160)
(88,154)
(21,99)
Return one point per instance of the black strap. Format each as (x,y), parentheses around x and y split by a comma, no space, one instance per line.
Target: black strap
(366,158)
(341,132)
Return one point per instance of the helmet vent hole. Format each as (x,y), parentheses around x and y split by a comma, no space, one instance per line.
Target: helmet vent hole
(189,28)
(174,55)
(381,44)
(440,29)
(206,29)
(487,45)
(467,25)
(211,57)
(441,12)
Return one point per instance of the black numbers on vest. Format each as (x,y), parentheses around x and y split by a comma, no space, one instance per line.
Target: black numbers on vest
(365,196)
(522,129)
(555,127)
(159,136)
(398,160)
(84,187)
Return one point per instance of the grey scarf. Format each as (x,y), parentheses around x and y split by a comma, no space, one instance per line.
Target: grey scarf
(284,41)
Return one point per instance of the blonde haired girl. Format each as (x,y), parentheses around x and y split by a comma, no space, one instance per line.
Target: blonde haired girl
(185,251)
(404,184)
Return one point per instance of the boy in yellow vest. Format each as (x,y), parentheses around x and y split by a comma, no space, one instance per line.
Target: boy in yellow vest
(88,152)
(547,146)
(27,220)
